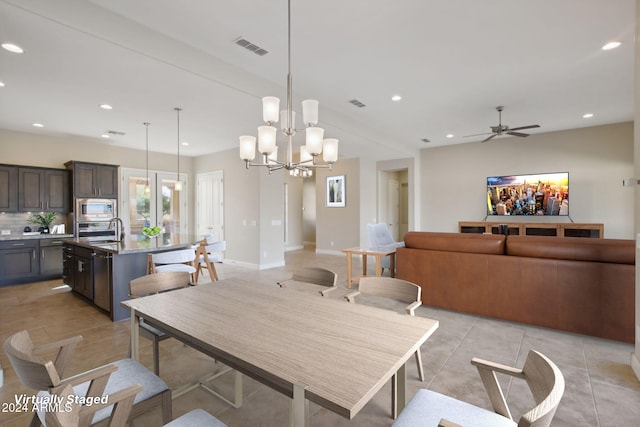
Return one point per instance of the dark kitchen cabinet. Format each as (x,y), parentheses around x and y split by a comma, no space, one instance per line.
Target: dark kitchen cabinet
(102,275)
(8,188)
(42,189)
(18,261)
(94,180)
(89,273)
(83,272)
(51,257)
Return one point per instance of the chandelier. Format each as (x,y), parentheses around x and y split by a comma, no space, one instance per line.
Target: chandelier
(315,144)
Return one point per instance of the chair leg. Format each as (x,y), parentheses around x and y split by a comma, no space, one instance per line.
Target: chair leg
(419,363)
(35,421)
(156,356)
(167,410)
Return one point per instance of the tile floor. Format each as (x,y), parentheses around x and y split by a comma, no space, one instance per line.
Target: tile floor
(601,389)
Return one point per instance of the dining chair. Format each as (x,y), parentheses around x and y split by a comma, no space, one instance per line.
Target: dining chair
(396,289)
(46,375)
(380,237)
(543,377)
(72,414)
(180,260)
(152,284)
(207,253)
(316,276)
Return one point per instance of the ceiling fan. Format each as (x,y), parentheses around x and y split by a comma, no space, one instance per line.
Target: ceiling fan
(501,129)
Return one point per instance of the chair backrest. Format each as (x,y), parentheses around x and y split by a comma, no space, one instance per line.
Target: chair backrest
(158,282)
(387,287)
(315,275)
(547,386)
(219,246)
(174,257)
(379,235)
(33,371)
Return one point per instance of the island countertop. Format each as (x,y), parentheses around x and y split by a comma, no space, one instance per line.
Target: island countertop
(139,243)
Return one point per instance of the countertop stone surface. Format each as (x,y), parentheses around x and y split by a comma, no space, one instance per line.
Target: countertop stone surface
(139,243)
(34,236)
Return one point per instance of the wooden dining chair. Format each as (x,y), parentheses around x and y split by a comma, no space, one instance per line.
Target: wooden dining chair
(396,289)
(316,276)
(543,377)
(46,375)
(207,254)
(73,415)
(180,260)
(152,284)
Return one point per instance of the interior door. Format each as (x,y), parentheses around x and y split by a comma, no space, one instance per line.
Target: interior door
(393,207)
(210,204)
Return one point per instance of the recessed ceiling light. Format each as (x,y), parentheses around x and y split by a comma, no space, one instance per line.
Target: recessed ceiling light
(38,125)
(450,135)
(611,45)
(185,143)
(14,48)
(587,115)
(106,107)
(105,136)
(1,84)
(396,98)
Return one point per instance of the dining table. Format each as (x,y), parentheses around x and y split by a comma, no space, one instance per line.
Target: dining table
(310,348)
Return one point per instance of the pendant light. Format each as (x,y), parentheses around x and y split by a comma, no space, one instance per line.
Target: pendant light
(178,186)
(147,187)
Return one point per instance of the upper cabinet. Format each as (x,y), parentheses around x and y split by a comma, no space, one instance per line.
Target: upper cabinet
(94,180)
(8,188)
(41,189)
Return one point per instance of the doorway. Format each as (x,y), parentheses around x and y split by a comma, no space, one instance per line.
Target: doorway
(210,204)
(393,201)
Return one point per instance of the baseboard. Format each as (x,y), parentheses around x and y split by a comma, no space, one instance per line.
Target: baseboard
(293,248)
(635,365)
(328,252)
(241,263)
(272,265)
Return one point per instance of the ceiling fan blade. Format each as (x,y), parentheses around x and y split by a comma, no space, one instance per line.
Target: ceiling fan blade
(525,127)
(517,134)
(491,137)
(477,134)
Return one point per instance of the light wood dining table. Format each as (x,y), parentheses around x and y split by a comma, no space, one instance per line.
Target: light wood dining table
(323,350)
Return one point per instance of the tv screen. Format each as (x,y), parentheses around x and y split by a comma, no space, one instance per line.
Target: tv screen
(533,194)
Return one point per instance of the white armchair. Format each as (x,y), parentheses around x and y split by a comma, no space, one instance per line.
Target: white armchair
(380,237)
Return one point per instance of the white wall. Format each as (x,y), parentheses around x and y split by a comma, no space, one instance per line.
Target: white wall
(597,158)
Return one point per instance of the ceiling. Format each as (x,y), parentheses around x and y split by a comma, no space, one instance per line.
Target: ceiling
(452,62)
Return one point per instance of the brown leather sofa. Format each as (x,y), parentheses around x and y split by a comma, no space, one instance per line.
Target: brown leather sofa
(579,285)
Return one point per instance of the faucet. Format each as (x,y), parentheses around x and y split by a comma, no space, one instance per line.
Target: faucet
(118,221)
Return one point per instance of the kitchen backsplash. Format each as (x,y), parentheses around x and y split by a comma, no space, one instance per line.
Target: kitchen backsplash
(16,222)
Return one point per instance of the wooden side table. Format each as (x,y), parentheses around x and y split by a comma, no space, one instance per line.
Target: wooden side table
(378,253)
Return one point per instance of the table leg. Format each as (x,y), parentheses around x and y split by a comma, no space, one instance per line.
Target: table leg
(364,265)
(378,265)
(349,264)
(299,416)
(392,264)
(135,333)
(398,391)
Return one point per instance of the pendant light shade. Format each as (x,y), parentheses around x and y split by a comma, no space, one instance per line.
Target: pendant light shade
(330,150)
(310,112)
(314,140)
(266,139)
(247,147)
(270,109)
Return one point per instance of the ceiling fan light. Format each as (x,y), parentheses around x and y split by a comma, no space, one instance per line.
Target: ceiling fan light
(611,45)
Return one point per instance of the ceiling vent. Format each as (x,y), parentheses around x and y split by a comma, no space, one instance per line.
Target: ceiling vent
(425,140)
(250,46)
(357,103)
(114,133)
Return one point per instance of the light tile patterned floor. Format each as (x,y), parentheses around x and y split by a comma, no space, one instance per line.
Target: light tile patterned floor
(601,388)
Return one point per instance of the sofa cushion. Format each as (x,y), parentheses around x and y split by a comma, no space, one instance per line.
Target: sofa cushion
(616,251)
(492,244)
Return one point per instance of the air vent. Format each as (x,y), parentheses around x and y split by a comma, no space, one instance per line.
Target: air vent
(425,140)
(250,46)
(357,103)
(114,133)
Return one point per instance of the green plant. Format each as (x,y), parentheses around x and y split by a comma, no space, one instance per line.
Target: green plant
(43,219)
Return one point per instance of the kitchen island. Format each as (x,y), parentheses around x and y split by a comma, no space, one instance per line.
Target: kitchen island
(100,271)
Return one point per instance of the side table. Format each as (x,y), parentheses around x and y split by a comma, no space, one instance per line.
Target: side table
(378,253)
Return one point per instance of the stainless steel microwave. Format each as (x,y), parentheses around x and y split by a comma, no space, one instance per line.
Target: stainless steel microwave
(91,210)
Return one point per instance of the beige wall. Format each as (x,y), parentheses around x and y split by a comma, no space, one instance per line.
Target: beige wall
(598,158)
(635,356)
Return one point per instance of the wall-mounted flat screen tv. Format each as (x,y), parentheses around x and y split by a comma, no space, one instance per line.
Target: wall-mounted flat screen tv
(533,194)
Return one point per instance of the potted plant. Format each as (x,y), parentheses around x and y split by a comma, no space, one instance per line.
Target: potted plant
(43,219)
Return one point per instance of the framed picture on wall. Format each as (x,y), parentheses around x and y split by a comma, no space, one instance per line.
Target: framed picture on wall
(336,194)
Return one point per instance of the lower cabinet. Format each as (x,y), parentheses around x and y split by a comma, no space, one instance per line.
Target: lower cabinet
(50,258)
(19,261)
(88,272)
